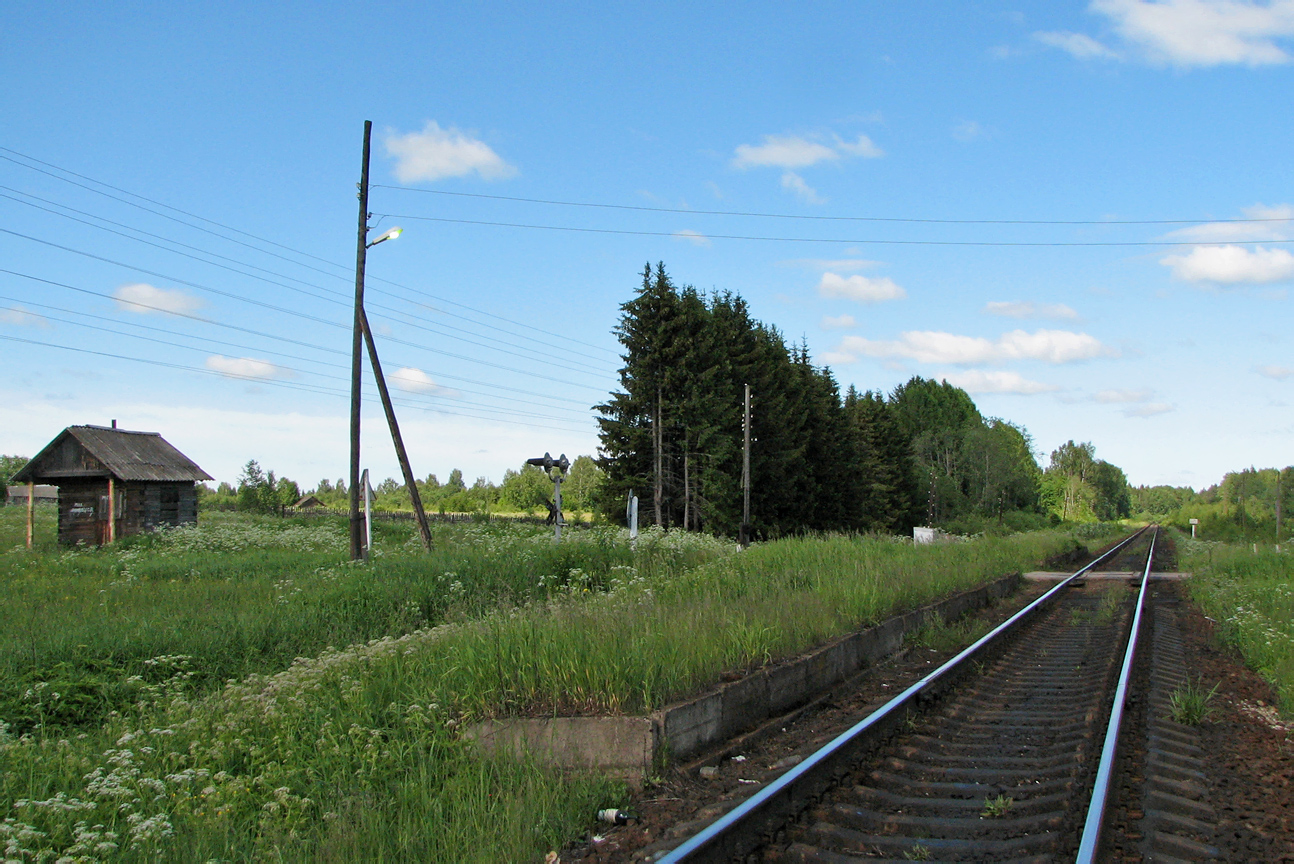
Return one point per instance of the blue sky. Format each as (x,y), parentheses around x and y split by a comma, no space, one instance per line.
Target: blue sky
(1072,173)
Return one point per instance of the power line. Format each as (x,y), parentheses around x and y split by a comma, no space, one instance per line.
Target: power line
(872,242)
(344,302)
(906,220)
(265,241)
(309,388)
(250,331)
(259,349)
(302,315)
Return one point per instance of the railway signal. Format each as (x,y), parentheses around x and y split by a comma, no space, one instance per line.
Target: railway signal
(560,465)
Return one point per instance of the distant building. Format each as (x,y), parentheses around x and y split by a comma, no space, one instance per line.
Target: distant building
(309,502)
(17,495)
(113,482)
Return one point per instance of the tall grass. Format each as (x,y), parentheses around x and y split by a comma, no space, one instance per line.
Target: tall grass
(355,753)
(238,595)
(1251,596)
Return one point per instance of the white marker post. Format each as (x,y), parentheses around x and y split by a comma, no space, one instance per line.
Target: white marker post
(631,515)
(368,514)
(1194,522)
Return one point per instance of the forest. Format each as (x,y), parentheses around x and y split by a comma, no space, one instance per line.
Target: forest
(821,460)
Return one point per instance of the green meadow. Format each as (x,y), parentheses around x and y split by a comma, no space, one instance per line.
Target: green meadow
(240,691)
(1250,594)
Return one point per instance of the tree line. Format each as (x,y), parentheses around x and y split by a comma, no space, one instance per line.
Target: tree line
(1245,506)
(526,490)
(821,460)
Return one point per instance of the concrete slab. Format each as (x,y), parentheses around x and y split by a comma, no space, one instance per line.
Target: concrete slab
(622,746)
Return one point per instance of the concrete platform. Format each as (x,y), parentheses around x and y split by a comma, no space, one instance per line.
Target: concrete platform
(630,746)
(1046,575)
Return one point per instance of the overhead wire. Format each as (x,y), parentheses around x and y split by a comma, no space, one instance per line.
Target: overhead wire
(259,349)
(250,331)
(763,239)
(346,301)
(823,218)
(406,402)
(292,312)
(265,241)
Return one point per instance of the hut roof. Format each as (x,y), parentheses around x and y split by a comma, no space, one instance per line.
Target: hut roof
(125,454)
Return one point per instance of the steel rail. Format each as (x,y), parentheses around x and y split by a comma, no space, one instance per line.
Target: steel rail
(770,805)
(1090,843)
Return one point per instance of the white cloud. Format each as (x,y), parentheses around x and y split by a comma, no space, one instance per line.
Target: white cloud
(1150,409)
(413,380)
(980,381)
(802,190)
(837,358)
(1240,232)
(1276,373)
(144,299)
(782,151)
(860,288)
(1232,264)
(1029,309)
(694,237)
(1122,397)
(863,147)
(1203,32)
(969,130)
(246,368)
(23,318)
(793,151)
(925,346)
(435,153)
(837,322)
(1081,46)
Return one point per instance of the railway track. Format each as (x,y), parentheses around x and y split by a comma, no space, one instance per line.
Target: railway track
(1005,753)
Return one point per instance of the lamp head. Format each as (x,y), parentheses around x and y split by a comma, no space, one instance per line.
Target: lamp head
(390,234)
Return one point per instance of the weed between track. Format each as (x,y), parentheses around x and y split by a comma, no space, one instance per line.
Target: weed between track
(1189,704)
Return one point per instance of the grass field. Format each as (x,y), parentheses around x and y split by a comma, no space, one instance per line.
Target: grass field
(239,692)
(1251,596)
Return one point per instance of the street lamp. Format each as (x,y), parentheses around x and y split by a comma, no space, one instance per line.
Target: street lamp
(363,334)
(389,235)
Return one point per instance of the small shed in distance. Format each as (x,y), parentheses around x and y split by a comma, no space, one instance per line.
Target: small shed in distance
(16,496)
(113,482)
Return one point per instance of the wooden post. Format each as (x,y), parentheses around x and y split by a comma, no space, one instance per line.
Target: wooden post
(368,514)
(745,472)
(658,489)
(112,510)
(409,479)
(31,510)
(687,490)
(357,354)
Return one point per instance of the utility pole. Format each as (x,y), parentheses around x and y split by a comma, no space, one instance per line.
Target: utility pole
(687,489)
(363,334)
(357,353)
(745,473)
(658,492)
(1278,509)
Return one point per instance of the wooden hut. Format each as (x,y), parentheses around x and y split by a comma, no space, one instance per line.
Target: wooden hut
(113,482)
